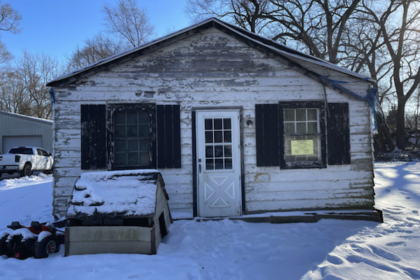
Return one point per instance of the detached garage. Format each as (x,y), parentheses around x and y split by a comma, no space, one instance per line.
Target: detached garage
(19,130)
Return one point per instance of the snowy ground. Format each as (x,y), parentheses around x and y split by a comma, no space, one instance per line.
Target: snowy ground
(329,249)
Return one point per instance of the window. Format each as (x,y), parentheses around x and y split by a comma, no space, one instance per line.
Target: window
(42,153)
(302,133)
(293,134)
(302,139)
(23,151)
(130,136)
(133,141)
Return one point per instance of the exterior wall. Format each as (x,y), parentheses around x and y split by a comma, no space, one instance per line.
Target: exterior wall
(18,125)
(214,69)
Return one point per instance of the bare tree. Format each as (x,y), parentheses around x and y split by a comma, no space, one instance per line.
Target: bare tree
(127,26)
(9,19)
(247,14)
(95,49)
(314,26)
(13,97)
(34,71)
(9,22)
(399,24)
(128,21)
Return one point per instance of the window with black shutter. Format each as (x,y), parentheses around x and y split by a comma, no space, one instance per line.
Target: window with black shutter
(294,134)
(132,136)
(139,135)
(338,133)
(302,140)
(169,136)
(93,137)
(267,134)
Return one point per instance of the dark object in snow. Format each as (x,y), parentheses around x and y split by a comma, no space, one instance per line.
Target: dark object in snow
(117,212)
(38,240)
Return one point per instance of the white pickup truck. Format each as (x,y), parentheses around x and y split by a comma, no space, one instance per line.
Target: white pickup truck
(25,160)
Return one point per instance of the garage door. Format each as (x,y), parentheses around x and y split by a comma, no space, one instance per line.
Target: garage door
(18,141)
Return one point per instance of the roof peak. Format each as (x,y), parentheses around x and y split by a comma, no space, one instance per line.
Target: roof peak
(194,29)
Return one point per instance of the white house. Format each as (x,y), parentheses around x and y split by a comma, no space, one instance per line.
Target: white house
(235,123)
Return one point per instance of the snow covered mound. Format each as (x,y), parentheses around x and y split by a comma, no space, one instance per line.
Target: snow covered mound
(114,193)
(23,182)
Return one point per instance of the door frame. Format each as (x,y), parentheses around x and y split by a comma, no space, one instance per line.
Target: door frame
(194,151)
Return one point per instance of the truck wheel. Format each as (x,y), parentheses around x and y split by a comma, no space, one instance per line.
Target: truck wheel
(1,174)
(47,246)
(3,245)
(26,171)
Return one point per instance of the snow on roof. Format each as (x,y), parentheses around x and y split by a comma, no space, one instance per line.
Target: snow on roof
(273,45)
(115,193)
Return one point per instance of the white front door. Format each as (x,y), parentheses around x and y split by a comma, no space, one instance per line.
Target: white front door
(219,163)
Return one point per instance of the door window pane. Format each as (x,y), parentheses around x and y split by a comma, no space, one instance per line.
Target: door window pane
(218,151)
(209,164)
(218,156)
(217,123)
(228,163)
(218,137)
(209,136)
(227,124)
(228,151)
(208,124)
(228,136)
(218,164)
(209,152)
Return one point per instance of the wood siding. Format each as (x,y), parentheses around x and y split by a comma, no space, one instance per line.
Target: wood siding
(214,69)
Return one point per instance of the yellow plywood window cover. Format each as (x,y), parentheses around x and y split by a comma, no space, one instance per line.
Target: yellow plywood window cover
(302,147)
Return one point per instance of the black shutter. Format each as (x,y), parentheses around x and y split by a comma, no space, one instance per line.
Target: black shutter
(267,134)
(338,134)
(93,136)
(169,136)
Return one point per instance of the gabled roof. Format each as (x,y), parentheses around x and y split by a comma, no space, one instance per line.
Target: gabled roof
(288,55)
(44,121)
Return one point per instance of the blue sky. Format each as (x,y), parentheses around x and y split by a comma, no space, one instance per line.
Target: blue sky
(56,27)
